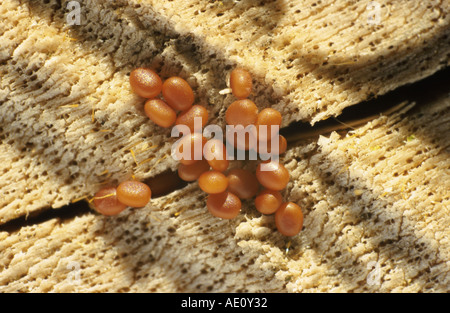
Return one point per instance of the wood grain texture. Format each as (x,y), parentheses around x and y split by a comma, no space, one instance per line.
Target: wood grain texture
(374,202)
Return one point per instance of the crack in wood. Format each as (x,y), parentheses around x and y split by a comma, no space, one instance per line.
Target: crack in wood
(419,93)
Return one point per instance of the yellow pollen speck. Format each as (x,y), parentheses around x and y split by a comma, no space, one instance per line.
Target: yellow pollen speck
(79,199)
(93,114)
(179,212)
(145,161)
(103,173)
(377,147)
(132,146)
(155,218)
(134,156)
(102,197)
(69,106)
(343,170)
(165,156)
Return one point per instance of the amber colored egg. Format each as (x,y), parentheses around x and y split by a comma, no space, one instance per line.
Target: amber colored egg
(188,117)
(134,193)
(271,119)
(242,183)
(289,219)
(243,138)
(224,205)
(192,172)
(273,175)
(106,203)
(241,83)
(215,153)
(178,93)
(160,112)
(189,148)
(268,201)
(145,82)
(213,182)
(282,146)
(241,112)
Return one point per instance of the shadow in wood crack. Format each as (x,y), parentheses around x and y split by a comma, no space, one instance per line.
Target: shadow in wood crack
(420,95)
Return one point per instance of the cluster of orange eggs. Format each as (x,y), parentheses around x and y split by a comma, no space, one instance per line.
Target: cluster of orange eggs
(225,188)
(274,177)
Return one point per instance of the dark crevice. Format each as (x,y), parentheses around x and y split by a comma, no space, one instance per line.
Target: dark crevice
(63,214)
(165,183)
(421,93)
(161,185)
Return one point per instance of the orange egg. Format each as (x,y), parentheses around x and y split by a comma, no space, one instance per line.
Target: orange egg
(160,113)
(192,172)
(215,153)
(178,93)
(242,183)
(268,201)
(106,203)
(224,205)
(283,144)
(188,117)
(243,138)
(145,82)
(241,112)
(134,193)
(265,147)
(213,182)
(241,83)
(271,119)
(273,175)
(289,219)
(189,148)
